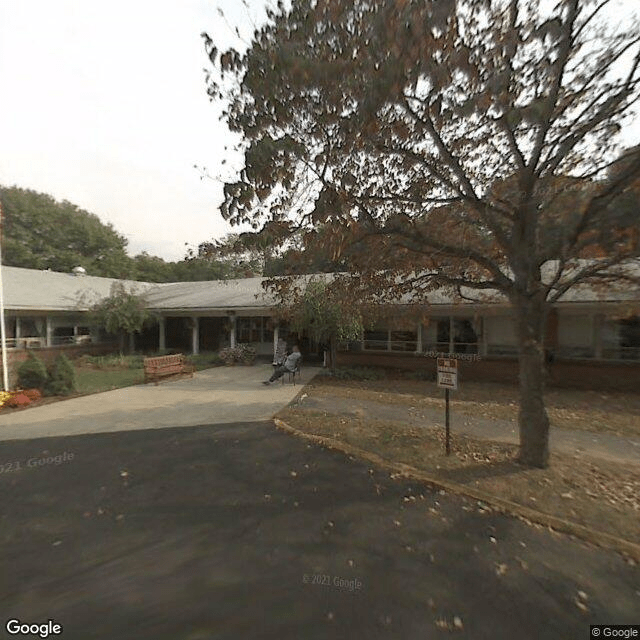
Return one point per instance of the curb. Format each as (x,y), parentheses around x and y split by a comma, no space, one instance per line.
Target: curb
(598,538)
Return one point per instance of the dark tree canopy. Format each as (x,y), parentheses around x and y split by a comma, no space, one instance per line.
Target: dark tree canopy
(42,233)
(471,145)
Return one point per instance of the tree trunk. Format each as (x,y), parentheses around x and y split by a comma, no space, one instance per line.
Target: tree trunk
(533,420)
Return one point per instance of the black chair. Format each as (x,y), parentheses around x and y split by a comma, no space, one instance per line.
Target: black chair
(292,374)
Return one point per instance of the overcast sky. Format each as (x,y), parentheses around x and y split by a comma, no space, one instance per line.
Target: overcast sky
(104,104)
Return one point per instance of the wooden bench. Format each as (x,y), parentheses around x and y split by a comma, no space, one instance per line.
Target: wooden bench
(163,366)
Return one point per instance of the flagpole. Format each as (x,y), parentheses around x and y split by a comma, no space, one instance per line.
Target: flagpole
(3,337)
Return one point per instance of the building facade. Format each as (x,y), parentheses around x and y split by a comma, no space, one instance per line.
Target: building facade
(593,338)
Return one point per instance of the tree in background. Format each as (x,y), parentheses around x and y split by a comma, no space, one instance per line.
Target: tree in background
(123,313)
(307,253)
(235,255)
(458,145)
(322,308)
(42,233)
(148,268)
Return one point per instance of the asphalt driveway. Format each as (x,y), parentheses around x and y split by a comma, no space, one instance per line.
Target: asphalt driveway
(240,532)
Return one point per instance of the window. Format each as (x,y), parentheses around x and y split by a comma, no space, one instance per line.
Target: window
(621,339)
(256,329)
(404,340)
(443,326)
(447,334)
(465,338)
(62,335)
(500,335)
(575,336)
(435,335)
(376,340)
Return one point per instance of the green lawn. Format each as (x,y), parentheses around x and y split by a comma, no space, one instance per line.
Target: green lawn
(94,380)
(103,373)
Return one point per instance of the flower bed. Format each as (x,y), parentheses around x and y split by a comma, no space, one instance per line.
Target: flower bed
(241,353)
(19,398)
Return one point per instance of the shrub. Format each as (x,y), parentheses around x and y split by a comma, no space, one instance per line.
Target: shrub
(19,400)
(5,396)
(205,360)
(243,353)
(62,377)
(32,373)
(33,394)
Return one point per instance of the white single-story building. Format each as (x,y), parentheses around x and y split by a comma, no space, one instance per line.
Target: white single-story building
(596,329)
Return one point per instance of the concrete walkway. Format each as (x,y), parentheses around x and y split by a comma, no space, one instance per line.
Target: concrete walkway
(219,395)
(599,445)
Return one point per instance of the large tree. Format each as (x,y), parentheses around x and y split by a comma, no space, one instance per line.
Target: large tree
(41,233)
(472,145)
(327,312)
(124,312)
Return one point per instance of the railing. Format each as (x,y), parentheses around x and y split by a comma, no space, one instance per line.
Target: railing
(621,353)
(575,352)
(412,346)
(443,347)
(26,343)
(578,353)
(502,350)
(389,345)
(40,342)
(83,339)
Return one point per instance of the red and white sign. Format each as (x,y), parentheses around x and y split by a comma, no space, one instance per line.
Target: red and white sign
(448,373)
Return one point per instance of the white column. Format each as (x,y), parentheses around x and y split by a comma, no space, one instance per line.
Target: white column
(162,341)
(484,349)
(419,334)
(195,335)
(18,333)
(49,332)
(276,336)
(232,333)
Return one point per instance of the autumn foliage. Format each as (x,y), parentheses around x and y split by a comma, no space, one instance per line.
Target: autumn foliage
(472,146)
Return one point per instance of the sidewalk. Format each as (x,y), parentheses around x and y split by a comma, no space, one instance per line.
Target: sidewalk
(599,445)
(219,395)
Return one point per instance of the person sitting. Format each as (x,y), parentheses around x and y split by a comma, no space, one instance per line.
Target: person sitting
(290,365)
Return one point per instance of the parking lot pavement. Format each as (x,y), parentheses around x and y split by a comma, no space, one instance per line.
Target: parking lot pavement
(220,395)
(241,531)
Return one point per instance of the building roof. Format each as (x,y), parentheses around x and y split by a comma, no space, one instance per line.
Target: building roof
(32,289)
(245,293)
(35,290)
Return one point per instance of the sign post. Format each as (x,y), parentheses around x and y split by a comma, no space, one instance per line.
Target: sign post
(447,380)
